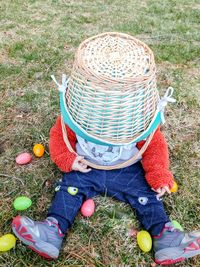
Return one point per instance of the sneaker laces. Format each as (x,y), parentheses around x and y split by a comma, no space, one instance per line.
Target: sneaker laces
(172,229)
(54,225)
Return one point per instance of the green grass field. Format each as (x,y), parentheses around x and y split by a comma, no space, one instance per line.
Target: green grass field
(39,38)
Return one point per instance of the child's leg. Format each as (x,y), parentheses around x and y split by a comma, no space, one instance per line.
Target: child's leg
(170,244)
(129,185)
(71,191)
(45,237)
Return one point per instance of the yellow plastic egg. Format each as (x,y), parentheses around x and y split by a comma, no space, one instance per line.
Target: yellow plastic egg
(144,241)
(7,242)
(174,188)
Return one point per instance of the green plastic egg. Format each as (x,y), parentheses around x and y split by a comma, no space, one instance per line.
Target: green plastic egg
(7,242)
(177,225)
(144,241)
(22,203)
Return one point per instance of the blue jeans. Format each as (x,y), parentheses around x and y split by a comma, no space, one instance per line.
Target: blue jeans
(126,184)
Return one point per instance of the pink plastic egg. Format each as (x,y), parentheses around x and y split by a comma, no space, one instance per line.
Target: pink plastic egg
(87,209)
(23,158)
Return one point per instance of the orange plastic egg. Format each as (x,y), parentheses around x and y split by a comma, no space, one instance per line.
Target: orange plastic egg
(174,188)
(38,150)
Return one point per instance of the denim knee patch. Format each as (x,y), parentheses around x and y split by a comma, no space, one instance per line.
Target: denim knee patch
(72,190)
(143,200)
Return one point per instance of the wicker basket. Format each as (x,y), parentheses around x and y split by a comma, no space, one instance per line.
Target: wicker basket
(111,97)
(112,93)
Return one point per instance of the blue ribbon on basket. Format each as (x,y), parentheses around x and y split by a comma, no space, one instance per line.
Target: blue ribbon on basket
(158,118)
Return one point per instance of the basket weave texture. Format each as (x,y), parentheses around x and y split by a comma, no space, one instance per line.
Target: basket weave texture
(112,91)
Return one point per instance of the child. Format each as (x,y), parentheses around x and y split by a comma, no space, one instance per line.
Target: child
(141,184)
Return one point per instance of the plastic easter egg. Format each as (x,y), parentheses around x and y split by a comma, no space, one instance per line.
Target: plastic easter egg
(22,203)
(87,209)
(23,158)
(144,241)
(174,188)
(38,150)
(7,242)
(177,225)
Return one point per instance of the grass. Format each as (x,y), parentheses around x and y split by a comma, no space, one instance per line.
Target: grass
(38,38)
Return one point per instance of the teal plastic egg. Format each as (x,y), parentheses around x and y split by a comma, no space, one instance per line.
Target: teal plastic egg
(7,242)
(22,203)
(177,225)
(144,241)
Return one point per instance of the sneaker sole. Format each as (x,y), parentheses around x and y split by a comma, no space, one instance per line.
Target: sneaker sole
(42,248)
(190,251)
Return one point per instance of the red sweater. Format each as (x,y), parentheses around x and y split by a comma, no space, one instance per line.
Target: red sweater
(155,159)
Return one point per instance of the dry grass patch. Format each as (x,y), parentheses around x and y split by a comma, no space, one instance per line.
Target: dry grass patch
(39,38)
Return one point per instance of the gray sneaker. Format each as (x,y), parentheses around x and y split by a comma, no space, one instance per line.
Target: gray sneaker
(173,245)
(45,237)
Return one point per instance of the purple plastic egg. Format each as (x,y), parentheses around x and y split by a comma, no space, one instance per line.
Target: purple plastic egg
(87,209)
(23,158)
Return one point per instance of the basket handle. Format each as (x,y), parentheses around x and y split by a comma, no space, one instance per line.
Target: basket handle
(103,167)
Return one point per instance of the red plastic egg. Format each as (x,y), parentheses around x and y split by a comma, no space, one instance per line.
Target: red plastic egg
(23,158)
(88,207)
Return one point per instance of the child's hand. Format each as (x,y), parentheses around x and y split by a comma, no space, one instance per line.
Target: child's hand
(78,165)
(162,190)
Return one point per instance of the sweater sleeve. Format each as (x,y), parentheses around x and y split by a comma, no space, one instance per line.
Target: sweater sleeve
(59,152)
(155,161)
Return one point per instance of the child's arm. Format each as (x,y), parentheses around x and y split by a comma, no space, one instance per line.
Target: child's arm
(155,161)
(59,152)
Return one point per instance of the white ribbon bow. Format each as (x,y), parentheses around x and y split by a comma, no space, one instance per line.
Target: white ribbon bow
(61,87)
(164,101)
